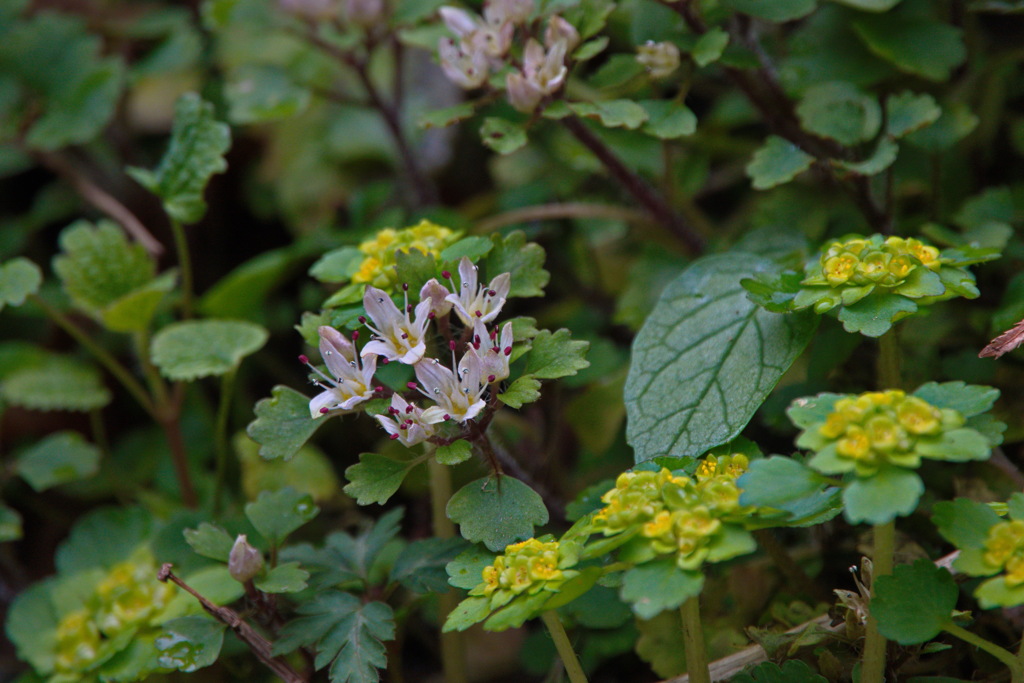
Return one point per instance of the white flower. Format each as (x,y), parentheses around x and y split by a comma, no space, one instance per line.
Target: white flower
(493,350)
(467,70)
(437,294)
(491,37)
(349,382)
(560,29)
(407,423)
(660,59)
(544,72)
(396,337)
(478,303)
(514,11)
(457,394)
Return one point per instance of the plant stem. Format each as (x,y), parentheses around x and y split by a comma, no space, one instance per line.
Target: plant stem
(119,371)
(453,646)
(888,364)
(185,263)
(564,647)
(873,662)
(693,642)
(1004,656)
(227,386)
(637,186)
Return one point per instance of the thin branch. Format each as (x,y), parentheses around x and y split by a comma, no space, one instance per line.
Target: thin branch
(101,199)
(260,646)
(637,186)
(548,212)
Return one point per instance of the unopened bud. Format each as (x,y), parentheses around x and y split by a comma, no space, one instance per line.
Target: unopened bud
(560,29)
(660,59)
(244,562)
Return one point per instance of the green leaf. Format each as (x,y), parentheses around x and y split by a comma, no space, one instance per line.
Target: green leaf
(18,279)
(656,586)
(103,538)
(134,311)
(209,540)
(883,156)
(590,49)
(788,485)
(468,612)
(668,120)
(892,492)
(261,92)
(923,47)
(282,423)
(776,163)
(709,47)
(421,566)
(612,113)
(870,5)
(10,524)
(275,514)
(791,671)
(874,315)
(345,557)
(501,135)
(996,593)
(474,247)
(841,111)
(524,261)
(956,122)
(706,358)
(58,459)
(62,384)
(31,625)
(346,634)
(776,10)
(442,118)
(457,451)
(195,153)
(242,293)
(964,522)
(966,399)
(376,478)
(957,445)
(98,266)
(909,111)
(284,578)
(192,349)
(496,512)
(993,205)
(337,265)
(914,603)
(190,643)
(556,355)
(466,570)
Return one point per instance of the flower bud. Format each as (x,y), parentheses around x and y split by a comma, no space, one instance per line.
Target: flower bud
(244,562)
(560,29)
(660,59)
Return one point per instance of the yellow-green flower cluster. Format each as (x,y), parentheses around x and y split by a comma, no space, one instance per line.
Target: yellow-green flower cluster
(525,568)
(377,267)
(1004,549)
(671,513)
(127,598)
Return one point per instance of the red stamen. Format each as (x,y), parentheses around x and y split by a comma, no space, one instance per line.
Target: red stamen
(411,385)
(324,410)
(446,275)
(304,359)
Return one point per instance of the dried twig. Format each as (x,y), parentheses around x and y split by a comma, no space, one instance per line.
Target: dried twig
(1005,342)
(260,646)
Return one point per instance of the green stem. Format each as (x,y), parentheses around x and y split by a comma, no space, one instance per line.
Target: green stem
(1004,656)
(113,366)
(185,263)
(227,386)
(564,647)
(888,367)
(453,646)
(873,662)
(693,642)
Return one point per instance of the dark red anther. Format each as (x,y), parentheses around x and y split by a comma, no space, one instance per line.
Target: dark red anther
(491,378)
(411,385)
(431,316)
(495,349)
(405,286)
(405,336)
(408,309)
(447,416)
(355,336)
(408,409)
(446,275)
(479,314)
(378,389)
(476,339)
(451,345)
(476,345)
(403,426)
(508,350)
(492,293)
(324,410)
(362,320)
(393,437)
(392,410)
(304,359)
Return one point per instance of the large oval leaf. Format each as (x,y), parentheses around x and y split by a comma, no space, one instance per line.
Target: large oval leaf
(706,359)
(200,348)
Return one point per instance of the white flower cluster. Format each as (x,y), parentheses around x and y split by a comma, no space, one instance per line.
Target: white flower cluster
(456,393)
(483,46)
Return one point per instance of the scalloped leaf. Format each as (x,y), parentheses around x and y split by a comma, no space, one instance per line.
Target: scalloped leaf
(457,451)
(282,423)
(656,586)
(840,111)
(210,540)
(776,163)
(58,459)
(196,152)
(19,278)
(967,399)
(908,111)
(964,522)
(375,478)
(284,578)
(275,514)
(496,512)
(668,120)
(62,384)
(613,113)
(706,358)
(914,603)
(555,354)
(190,643)
(501,135)
(192,349)
(892,492)
(912,44)
(523,260)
